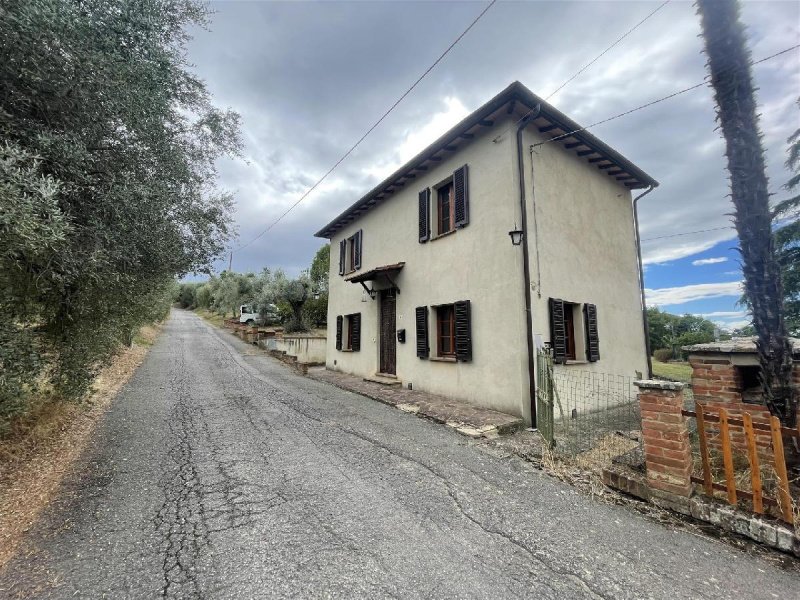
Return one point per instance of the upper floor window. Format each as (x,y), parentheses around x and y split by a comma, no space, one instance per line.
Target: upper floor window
(445,215)
(350,253)
(450,206)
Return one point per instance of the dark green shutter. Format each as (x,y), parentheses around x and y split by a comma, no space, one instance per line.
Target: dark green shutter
(463,331)
(355,332)
(592,340)
(423,347)
(357,254)
(424,215)
(558,330)
(342,252)
(339,320)
(461,186)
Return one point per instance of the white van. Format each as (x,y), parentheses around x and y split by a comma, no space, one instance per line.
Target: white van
(249,316)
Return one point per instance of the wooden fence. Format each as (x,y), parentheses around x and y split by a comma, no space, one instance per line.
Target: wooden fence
(782,500)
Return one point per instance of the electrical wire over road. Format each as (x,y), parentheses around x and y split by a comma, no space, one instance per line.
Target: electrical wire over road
(372,128)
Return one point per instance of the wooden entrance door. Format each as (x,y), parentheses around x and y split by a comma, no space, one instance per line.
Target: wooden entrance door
(388,332)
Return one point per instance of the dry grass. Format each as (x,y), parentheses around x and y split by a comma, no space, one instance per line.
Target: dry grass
(43,444)
(209,316)
(604,451)
(575,472)
(743,478)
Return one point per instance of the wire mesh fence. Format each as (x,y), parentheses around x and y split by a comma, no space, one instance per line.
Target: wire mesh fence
(596,417)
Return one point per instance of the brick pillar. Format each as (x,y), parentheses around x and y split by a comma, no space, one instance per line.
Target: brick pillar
(665,437)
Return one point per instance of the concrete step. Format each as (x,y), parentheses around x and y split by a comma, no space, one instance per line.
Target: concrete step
(384,379)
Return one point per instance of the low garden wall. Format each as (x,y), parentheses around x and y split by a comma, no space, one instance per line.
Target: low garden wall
(752,496)
(307,349)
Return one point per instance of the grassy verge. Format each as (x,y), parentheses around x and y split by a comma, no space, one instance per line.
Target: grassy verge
(211,317)
(42,444)
(675,371)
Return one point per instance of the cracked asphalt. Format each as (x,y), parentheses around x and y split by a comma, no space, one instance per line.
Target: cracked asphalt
(220,473)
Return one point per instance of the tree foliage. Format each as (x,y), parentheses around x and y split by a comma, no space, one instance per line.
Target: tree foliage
(668,331)
(277,288)
(787,236)
(107,179)
(298,303)
(320,269)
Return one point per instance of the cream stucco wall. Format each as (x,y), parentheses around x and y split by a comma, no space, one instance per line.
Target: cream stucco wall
(586,254)
(476,263)
(308,349)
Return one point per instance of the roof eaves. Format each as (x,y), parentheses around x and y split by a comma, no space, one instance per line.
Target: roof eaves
(514,92)
(467,123)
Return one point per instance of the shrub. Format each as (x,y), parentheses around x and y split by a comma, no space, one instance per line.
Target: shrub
(663,354)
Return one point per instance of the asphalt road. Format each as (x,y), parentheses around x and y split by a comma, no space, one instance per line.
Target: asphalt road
(220,473)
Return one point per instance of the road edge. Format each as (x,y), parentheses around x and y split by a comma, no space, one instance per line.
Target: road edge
(29,489)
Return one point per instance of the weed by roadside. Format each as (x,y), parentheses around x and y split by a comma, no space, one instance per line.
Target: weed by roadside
(209,316)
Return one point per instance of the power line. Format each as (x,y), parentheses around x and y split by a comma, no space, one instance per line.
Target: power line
(583,68)
(378,122)
(604,52)
(661,237)
(672,235)
(678,93)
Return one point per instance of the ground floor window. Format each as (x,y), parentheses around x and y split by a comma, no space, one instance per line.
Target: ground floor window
(348,332)
(573,331)
(446,330)
(569,327)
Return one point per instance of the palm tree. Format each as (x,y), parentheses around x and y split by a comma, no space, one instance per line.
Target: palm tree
(729,65)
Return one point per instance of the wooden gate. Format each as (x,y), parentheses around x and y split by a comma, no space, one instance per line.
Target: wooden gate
(723,423)
(388,331)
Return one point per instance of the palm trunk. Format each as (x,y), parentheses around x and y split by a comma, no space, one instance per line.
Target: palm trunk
(729,65)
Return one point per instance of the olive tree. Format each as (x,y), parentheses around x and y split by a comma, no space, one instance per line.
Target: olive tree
(277,288)
(107,174)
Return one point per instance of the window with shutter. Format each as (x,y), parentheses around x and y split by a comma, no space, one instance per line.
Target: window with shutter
(445,213)
(339,323)
(461,196)
(423,348)
(358,245)
(592,339)
(558,332)
(355,332)
(342,251)
(446,331)
(424,215)
(463,330)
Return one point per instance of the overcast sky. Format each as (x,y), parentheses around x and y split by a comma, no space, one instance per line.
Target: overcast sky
(309,78)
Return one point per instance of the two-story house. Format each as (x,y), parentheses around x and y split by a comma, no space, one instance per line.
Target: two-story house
(512,229)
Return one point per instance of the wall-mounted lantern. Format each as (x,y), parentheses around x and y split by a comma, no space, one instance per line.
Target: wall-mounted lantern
(516,235)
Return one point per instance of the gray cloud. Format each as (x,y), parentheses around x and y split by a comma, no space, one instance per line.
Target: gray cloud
(309,78)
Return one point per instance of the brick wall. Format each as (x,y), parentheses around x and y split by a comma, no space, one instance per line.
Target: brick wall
(665,437)
(717,383)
